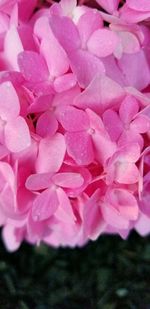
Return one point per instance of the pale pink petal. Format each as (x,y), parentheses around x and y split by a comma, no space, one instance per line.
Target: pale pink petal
(126,173)
(11,237)
(129,41)
(68,6)
(68,180)
(140,124)
(45,205)
(79,147)
(104,147)
(85,66)
(69,38)
(12,47)
(130,136)
(130,153)
(143,225)
(16,135)
(93,223)
(41,104)
(9,102)
(124,202)
(65,211)
(102,93)
(51,154)
(132,68)
(38,181)
(102,42)
(52,50)
(140,5)
(30,59)
(72,119)
(112,217)
(85,28)
(128,109)
(47,125)
(65,82)
(109,5)
(112,124)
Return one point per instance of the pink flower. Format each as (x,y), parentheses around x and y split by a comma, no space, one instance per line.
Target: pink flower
(74,120)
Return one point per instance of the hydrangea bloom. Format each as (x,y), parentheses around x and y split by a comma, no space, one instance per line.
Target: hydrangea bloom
(74,120)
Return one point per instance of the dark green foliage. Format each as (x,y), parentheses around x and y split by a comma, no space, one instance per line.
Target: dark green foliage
(107,274)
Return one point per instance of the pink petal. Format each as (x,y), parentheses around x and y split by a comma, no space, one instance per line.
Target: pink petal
(85,66)
(9,102)
(109,5)
(65,82)
(130,153)
(72,119)
(79,147)
(64,212)
(102,42)
(45,205)
(126,173)
(141,124)
(113,218)
(104,147)
(69,37)
(16,135)
(51,154)
(140,5)
(47,125)
(102,93)
(38,181)
(125,202)
(129,41)
(112,124)
(30,59)
(85,28)
(68,180)
(41,104)
(59,67)
(12,47)
(9,235)
(128,109)
(132,66)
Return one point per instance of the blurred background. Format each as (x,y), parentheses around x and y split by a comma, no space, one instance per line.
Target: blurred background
(109,273)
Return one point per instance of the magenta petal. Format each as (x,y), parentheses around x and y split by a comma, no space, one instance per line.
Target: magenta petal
(45,205)
(30,59)
(51,154)
(16,135)
(72,119)
(68,180)
(79,147)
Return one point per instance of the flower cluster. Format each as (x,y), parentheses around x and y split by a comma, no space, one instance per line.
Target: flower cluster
(74,120)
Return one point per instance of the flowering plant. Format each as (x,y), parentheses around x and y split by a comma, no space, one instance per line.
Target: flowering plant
(74,120)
